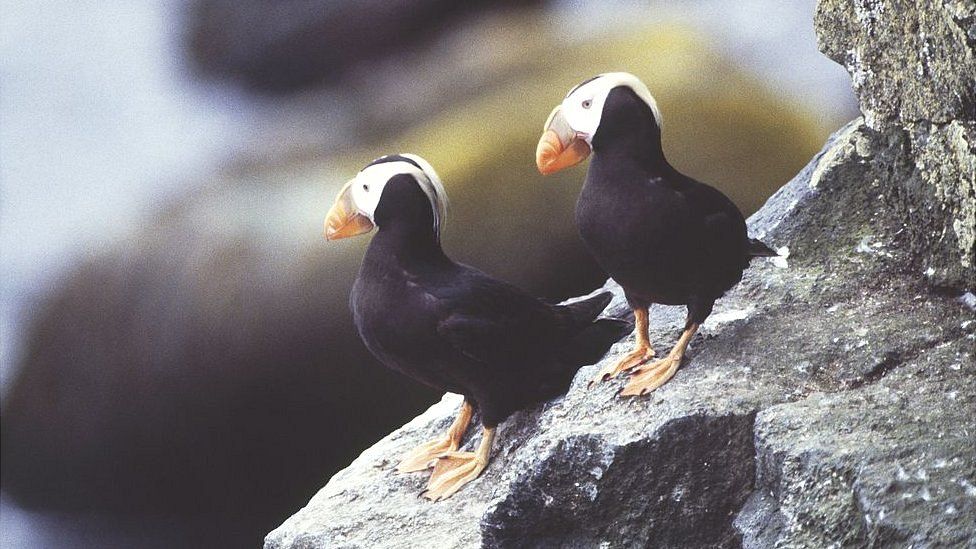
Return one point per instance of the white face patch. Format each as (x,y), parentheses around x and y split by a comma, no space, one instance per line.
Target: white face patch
(367,187)
(583,107)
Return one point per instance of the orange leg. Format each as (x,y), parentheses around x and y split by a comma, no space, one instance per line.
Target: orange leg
(642,351)
(651,376)
(421,457)
(455,469)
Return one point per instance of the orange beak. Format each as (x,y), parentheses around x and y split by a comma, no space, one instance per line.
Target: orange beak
(343,219)
(560,146)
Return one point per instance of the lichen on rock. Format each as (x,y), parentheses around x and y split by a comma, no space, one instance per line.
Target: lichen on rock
(909,62)
(913,68)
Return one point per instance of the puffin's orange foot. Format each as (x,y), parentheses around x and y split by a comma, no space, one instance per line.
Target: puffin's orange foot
(452,471)
(420,458)
(630,360)
(651,376)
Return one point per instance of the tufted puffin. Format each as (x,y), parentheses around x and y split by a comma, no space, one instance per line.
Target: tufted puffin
(663,236)
(450,326)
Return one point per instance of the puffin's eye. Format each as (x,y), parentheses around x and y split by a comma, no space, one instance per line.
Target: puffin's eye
(366,187)
(587,103)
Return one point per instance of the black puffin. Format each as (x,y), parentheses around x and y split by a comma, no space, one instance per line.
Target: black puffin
(663,236)
(450,326)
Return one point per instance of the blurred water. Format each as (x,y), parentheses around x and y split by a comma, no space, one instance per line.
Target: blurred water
(20,528)
(97,126)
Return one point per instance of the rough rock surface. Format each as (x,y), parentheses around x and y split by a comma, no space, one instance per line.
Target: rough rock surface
(831,398)
(909,62)
(913,68)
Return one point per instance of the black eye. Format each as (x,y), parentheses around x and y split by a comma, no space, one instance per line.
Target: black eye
(587,103)
(366,187)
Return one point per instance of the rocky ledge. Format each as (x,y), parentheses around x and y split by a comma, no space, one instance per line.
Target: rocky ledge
(830,400)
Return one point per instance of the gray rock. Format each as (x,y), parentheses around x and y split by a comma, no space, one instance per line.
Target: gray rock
(890,464)
(913,68)
(815,379)
(909,62)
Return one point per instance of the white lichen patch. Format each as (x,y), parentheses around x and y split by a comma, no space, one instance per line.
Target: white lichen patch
(782,254)
(968,487)
(724,317)
(866,246)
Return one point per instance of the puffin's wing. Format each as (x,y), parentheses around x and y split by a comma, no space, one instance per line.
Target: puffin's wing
(493,322)
(725,224)
(722,222)
(479,339)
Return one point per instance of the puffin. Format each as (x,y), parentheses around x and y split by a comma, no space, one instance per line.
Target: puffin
(661,235)
(450,326)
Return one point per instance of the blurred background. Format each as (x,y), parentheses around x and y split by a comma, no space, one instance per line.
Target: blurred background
(179,366)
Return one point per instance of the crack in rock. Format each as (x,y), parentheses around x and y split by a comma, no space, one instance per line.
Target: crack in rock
(678,488)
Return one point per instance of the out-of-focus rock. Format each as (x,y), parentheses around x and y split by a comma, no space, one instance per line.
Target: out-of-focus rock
(284,46)
(213,354)
(828,401)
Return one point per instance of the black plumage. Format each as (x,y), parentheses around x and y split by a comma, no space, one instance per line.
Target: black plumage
(456,329)
(663,236)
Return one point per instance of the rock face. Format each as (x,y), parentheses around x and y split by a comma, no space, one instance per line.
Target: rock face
(830,400)
(914,72)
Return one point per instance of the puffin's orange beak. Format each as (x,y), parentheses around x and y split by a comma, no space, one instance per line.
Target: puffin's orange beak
(343,219)
(560,146)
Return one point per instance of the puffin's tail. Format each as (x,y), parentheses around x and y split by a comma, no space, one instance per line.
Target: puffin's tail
(582,312)
(592,337)
(592,343)
(758,249)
